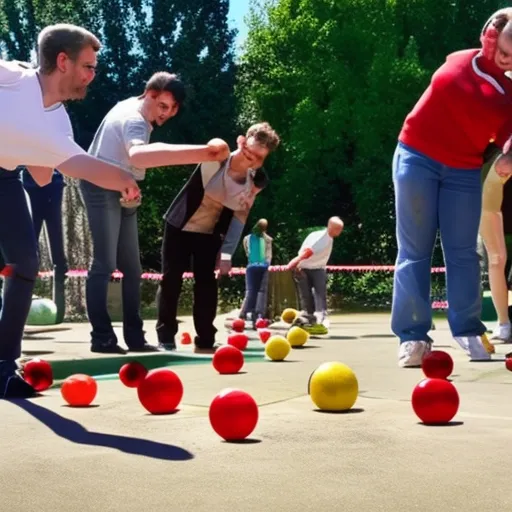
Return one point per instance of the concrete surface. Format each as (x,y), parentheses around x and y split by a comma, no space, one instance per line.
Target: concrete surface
(116,457)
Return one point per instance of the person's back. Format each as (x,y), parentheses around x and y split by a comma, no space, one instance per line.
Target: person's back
(256,250)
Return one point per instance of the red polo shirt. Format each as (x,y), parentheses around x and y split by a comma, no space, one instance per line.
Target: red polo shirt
(467,105)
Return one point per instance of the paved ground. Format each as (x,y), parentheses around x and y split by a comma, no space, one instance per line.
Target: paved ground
(116,457)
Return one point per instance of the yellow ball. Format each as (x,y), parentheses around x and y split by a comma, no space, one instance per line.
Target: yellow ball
(277,348)
(289,315)
(297,336)
(333,387)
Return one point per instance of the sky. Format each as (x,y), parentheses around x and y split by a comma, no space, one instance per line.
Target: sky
(237,10)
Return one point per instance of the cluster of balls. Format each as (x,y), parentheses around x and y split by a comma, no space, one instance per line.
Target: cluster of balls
(435,399)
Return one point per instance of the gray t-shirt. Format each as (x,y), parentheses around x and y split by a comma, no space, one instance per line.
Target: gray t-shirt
(123,127)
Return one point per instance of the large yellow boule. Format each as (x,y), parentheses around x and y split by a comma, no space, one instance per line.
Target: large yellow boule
(277,348)
(333,387)
(289,315)
(297,337)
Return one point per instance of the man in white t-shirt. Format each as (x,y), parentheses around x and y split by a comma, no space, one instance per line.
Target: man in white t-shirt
(123,139)
(309,270)
(35,131)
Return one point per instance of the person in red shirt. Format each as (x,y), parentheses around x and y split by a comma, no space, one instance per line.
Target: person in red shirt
(437,182)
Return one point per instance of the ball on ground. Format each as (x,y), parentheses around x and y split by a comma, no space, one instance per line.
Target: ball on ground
(42,312)
(238,340)
(38,373)
(333,386)
(238,325)
(79,390)
(161,391)
(264,334)
(435,401)
(277,348)
(289,315)
(228,360)
(132,374)
(297,336)
(437,364)
(233,414)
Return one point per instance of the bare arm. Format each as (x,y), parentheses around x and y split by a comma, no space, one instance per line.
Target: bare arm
(159,154)
(102,174)
(304,255)
(42,175)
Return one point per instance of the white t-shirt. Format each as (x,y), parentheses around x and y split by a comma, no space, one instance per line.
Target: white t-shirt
(31,134)
(123,127)
(321,244)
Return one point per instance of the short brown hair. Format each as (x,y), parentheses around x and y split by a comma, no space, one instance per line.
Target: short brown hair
(162,81)
(264,135)
(63,38)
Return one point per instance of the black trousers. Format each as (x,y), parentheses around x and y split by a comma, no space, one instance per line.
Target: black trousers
(182,250)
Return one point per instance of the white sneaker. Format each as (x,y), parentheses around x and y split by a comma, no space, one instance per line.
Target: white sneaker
(502,332)
(411,353)
(474,347)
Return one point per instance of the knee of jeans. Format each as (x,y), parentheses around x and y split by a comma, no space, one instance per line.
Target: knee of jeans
(497,260)
(102,267)
(27,269)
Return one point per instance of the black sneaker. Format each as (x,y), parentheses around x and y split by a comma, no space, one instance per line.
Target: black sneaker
(12,384)
(167,347)
(107,348)
(144,348)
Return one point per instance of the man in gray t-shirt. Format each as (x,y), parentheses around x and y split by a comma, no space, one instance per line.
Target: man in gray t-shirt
(123,139)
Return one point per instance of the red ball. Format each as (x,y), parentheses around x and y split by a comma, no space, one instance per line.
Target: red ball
(233,414)
(508,364)
(79,390)
(264,334)
(238,340)
(261,323)
(38,373)
(160,392)
(437,365)
(435,401)
(132,374)
(228,359)
(238,325)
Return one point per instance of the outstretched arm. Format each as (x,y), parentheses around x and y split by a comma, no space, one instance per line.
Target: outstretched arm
(159,154)
(102,174)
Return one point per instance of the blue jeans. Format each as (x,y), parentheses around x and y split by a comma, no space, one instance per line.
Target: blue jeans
(115,240)
(254,284)
(18,247)
(430,196)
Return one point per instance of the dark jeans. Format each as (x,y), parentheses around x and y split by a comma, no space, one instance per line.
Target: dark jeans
(18,246)
(115,240)
(312,288)
(179,249)
(46,205)
(254,284)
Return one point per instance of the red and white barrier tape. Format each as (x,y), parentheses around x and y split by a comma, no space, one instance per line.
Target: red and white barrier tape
(239,271)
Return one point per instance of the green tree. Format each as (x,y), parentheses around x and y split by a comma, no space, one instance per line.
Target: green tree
(337,79)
